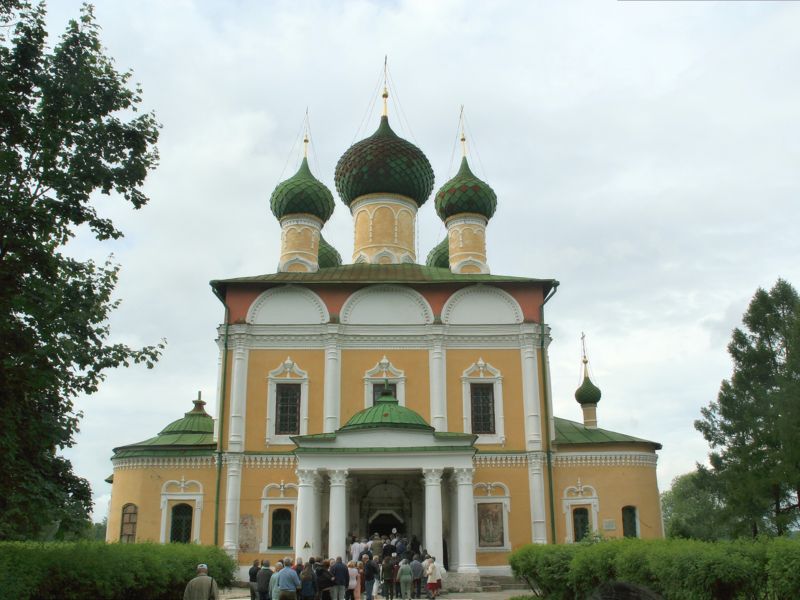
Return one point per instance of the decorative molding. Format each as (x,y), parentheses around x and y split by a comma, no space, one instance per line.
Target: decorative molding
(483,372)
(500,460)
(473,295)
(183,492)
(605,459)
(576,496)
(269,461)
(269,502)
(432,476)
(424,315)
(152,462)
(384,370)
(289,295)
(490,488)
(490,497)
(286,372)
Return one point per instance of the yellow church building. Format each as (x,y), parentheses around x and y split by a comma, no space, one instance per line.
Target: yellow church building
(385,394)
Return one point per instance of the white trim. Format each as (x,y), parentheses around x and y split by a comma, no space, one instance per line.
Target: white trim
(286,372)
(484,290)
(470,262)
(183,495)
(483,372)
(505,500)
(311,267)
(315,301)
(576,496)
(426,312)
(385,511)
(167,462)
(268,502)
(383,371)
(605,459)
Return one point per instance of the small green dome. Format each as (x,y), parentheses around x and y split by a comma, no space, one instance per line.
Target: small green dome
(302,193)
(328,256)
(588,393)
(384,163)
(386,412)
(465,193)
(440,255)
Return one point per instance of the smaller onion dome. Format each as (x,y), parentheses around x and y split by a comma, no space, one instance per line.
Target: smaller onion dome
(587,393)
(302,193)
(384,163)
(440,255)
(328,256)
(386,412)
(465,193)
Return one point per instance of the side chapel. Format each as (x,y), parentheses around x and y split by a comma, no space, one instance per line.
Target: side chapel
(385,394)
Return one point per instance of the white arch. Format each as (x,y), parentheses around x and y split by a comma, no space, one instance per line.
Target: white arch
(288,305)
(481,305)
(387,305)
(183,491)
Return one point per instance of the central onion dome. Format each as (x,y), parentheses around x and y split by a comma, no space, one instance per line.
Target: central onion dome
(387,412)
(328,255)
(440,255)
(384,163)
(302,193)
(465,193)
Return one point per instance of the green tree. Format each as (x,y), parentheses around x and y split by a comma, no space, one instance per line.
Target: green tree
(754,424)
(694,509)
(68,129)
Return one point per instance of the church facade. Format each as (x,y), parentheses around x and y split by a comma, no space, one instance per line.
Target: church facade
(385,395)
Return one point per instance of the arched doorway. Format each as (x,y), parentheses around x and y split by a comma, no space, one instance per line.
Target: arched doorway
(383,523)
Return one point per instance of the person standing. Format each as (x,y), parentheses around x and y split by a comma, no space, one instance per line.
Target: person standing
(324,580)
(202,587)
(416,573)
(263,579)
(352,582)
(405,576)
(370,574)
(288,582)
(308,583)
(387,576)
(273,582)
(434,577)
(341,578)
(253,575)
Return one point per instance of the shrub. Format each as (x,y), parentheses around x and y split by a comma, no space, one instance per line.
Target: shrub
(79,570)
(783,568)
(545,568)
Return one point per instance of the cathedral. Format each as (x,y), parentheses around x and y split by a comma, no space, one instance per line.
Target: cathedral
(385,395)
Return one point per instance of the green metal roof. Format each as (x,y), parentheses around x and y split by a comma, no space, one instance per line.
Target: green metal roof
(570,432)
(192,435)
(440,255)
(386,412)
(465,193)
(384,163)
(364,273)
(302,193)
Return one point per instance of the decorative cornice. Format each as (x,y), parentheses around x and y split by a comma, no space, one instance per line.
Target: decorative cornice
(270,461)
(500,460)
(166,462)
(605,459)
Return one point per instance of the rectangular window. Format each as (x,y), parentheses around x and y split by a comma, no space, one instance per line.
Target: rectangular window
(287,409)
(482,395)
(377,390)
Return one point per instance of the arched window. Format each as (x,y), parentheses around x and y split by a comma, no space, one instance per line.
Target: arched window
(580,523)
(127,532)
(181,528)
(281,528)
(630,522)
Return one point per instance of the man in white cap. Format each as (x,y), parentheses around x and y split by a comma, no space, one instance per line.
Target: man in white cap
(202,587)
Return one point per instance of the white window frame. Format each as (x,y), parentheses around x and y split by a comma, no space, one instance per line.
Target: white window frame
(577,496)
(187,492)
(505,499)
(384,371)
(286,372)
(281,501)
(482,372)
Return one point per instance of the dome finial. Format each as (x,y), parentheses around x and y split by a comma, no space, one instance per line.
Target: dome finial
(305,136)
(583,355)
(463,136)
(385,95)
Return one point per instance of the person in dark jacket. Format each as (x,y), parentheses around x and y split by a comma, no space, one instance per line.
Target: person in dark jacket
(262,580)
(371,571)
(253,572)
(341,577)
(308,583)
(324,580)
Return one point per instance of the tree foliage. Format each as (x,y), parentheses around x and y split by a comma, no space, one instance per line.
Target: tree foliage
(753,425)
(68,129)
(693,508)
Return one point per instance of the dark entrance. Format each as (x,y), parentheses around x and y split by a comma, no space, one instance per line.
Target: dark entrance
(383,524)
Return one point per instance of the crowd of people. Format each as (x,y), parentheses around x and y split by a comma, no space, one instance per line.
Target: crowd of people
(391,567)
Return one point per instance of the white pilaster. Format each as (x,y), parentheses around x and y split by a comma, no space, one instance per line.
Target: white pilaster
(433,512)
(466,521)
(536,490)
(336,516)
(530,394)
(303,520)
(232,492)
(436,364)
(238,395)
(332,384)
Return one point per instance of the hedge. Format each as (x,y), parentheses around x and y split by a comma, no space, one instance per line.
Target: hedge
(676,569)
(80,570)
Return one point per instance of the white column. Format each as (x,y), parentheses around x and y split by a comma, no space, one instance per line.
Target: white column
(536,489)
(466,521)
(218,397)
(332,384)
(452,544)
(336,514)
(436,365)
(238,396)
(232,493)
(316,518)
(530,393)
(303,521)
(433,512)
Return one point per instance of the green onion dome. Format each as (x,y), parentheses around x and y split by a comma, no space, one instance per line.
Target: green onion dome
(465,193)
(302,193)
(328,256)
(588,393)
(440,255)
(384,163)
(386,412)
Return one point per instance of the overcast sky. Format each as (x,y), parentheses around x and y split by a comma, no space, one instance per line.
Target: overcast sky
(645,154)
